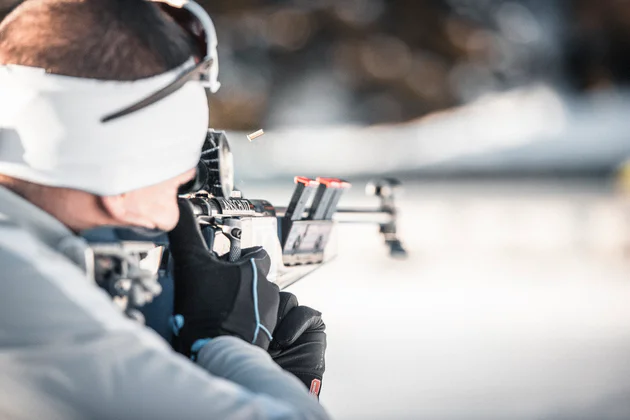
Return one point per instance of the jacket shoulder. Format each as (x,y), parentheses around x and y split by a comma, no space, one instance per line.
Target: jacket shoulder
(43,294)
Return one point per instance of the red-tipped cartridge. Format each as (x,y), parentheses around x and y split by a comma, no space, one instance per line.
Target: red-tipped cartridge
(339,188)
(325,193)
(304,188)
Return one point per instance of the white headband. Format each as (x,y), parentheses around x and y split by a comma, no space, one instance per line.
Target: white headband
(51,131)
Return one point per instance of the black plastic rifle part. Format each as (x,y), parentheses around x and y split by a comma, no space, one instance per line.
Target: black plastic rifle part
(339,187)
(215,170)
(304,188)
(385,189)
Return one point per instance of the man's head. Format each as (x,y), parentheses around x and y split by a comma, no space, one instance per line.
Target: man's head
(121,40)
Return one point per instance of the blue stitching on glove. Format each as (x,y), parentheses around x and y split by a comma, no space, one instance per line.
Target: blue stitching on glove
(176,322)
(197,346)
(259,326)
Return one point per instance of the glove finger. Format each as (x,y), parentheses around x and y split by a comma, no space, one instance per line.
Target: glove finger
(246,255)
(294,324)
(186,237)
(249,253)
(268,299)
(257,253)
(260,257)
(288,301)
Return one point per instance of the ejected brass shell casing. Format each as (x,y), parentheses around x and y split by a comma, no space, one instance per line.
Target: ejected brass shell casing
(255,135)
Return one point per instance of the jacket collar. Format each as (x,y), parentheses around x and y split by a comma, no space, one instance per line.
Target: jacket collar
(46,228)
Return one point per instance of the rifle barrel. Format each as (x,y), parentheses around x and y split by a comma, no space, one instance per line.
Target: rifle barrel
(353,215)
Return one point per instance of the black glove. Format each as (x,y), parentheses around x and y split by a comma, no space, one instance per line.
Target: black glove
(214,297)
(299,342)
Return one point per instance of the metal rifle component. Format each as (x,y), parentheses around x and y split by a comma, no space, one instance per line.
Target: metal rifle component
(198,183)
(304,240)
(122,270)
(386,215)
(298,239)
(215,170)
(210,233)
(217,156)
(304,188)
(235,206)
(207,207)
(296,247)
(225,216)
(322,198)
(232,230)
(341,187)
(385,189)
(348,215)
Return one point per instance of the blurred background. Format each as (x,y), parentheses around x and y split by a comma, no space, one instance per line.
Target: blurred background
(377,61)
(508,123)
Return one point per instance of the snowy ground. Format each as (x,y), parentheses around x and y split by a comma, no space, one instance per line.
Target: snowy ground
(514,304)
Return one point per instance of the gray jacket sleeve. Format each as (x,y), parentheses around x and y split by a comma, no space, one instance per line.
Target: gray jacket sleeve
(67,352)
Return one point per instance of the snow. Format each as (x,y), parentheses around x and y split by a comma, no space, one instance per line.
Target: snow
(514,304)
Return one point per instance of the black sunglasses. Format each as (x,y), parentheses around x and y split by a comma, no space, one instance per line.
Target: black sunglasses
(196,73)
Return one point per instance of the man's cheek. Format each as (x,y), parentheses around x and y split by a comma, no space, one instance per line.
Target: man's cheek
(168,215)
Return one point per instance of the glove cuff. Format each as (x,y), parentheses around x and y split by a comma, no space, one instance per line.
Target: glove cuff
(197,346)
(312,382)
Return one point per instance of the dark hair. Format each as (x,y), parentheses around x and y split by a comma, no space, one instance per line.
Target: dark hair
(100,39)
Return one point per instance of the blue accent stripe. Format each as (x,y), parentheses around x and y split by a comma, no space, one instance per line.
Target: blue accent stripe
(255,292)
(259,326)
(197,346)
(266,331)
(177,322)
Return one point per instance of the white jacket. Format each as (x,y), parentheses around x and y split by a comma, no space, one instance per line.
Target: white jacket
(66,352)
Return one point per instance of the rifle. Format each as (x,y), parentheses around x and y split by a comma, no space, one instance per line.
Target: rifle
(299,238)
